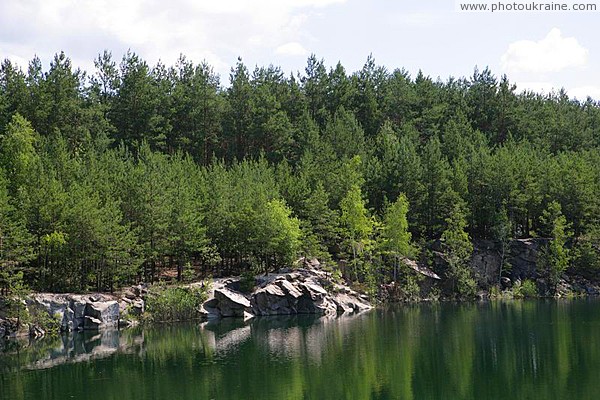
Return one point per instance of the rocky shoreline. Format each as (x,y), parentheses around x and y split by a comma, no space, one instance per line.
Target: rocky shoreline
(301,291)
(310,290)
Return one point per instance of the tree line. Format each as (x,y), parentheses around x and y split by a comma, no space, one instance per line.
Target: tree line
(115,176)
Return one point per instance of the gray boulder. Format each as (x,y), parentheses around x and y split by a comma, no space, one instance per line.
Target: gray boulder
(232,304)
(107,312)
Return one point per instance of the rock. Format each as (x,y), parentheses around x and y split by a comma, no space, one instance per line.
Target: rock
(8,327)
(285,293)
(78,305)
(289,289)
(271,300)
(36,332)
(209,312)
(209,309)
(66,324)
(420,268)
(91,323)
(232,304)
(107,312)
(292,276)
(506,282)
(138,307)
(315,291)
(350,304)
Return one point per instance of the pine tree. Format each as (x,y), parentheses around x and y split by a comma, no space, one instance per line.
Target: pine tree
(556,255)
(458,249)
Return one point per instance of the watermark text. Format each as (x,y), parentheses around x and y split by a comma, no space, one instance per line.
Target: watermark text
(525,6)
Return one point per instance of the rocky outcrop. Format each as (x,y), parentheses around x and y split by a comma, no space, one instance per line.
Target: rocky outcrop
(303,291)
(230,303)
(78,312)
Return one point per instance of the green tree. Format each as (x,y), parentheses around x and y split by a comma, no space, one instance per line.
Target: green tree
(436,180)
(502,233)
(356,224)
(278,235)
(186,230)
(458,249)
(321,221)
(397,238)
(556,255)
(18,154)
(15,243)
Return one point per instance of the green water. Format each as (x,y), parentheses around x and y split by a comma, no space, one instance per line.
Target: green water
(498,350)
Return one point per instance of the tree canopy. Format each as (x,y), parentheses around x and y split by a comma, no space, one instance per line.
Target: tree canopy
(121,173)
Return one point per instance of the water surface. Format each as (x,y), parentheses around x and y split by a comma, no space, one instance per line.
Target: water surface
(497,350)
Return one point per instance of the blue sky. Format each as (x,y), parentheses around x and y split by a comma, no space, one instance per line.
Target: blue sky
(537,51)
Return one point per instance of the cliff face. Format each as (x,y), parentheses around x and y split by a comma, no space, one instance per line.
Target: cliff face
(520,261)
(520,254)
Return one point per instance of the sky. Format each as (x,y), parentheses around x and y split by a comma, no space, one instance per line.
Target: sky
(536,50)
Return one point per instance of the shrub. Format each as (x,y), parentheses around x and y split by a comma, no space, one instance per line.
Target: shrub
(526,289)
(529,289)
(586,258)
(411,289)
(247,281)
(188,273)
(175,303)
(495,292)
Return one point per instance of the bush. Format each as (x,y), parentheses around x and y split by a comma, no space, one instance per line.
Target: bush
(411,289)
(495,292)
(587,258)
(175,303)
(466,287)
(247,281)
(527,289)
(188,273)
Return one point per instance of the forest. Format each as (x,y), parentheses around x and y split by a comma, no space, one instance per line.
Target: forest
(117,175)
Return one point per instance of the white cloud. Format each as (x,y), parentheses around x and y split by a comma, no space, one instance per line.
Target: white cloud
(553,53)
(582,92)
(292,49)
(217,31)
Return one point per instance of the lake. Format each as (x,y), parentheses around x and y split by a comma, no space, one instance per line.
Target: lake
(546,349)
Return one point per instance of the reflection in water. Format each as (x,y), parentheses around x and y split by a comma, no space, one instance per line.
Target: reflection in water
(498,350)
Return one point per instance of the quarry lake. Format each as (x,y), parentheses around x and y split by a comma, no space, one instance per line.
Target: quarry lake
(543,349)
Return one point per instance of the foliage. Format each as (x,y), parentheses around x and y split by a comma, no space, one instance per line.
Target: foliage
(396,237)
(458,249)
(175,303)
(357,227)
(525,289)
(247,281)
(116,175)
(586,257)
(556,256)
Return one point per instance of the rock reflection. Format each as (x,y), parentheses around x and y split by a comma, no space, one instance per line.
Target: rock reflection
(293,337)
(498,350)
(71,348)
(282,336)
